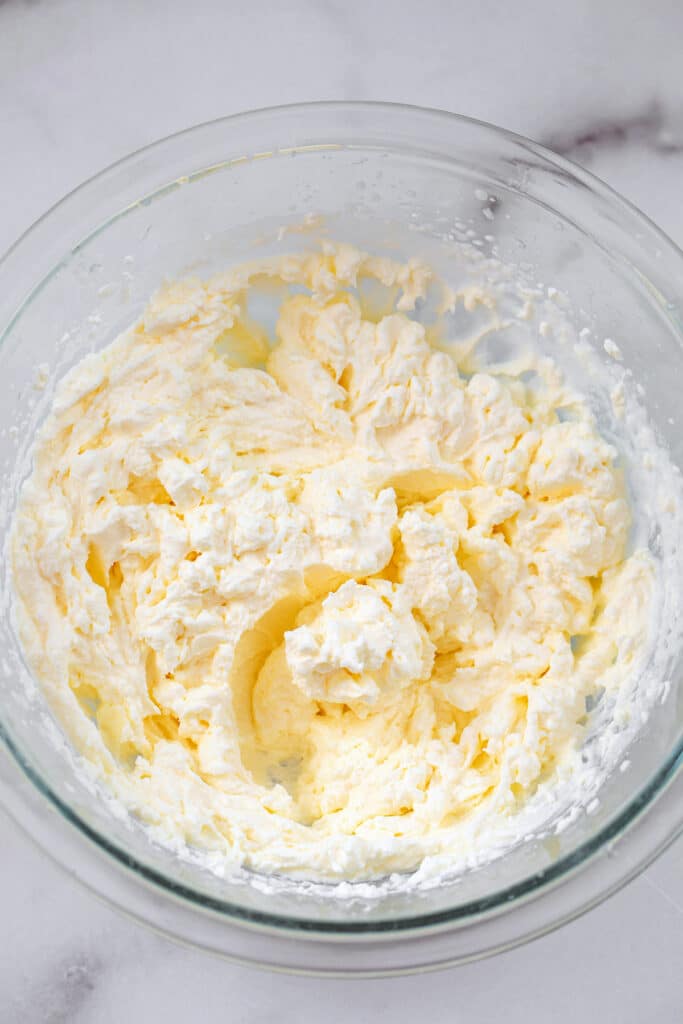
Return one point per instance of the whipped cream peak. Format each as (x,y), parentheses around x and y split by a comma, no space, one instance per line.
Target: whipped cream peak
(359,646)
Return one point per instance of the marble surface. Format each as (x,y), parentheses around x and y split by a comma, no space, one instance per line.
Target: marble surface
(83,82)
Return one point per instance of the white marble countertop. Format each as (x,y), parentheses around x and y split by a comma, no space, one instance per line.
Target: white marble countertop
(83,82)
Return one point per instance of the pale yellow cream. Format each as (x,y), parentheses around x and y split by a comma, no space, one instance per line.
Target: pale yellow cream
(324,607)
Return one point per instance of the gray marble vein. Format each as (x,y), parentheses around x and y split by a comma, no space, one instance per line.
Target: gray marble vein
(653,127)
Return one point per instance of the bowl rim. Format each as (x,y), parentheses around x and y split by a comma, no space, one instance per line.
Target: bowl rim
(549,877)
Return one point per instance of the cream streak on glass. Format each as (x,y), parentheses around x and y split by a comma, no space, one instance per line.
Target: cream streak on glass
(328,607)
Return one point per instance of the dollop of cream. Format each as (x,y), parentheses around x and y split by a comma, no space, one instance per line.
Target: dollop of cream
(359,646)
(323,604)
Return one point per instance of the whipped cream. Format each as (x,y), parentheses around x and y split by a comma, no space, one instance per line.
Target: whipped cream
(328,605)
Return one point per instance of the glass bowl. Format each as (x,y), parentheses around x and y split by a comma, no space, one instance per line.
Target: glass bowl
(390,178)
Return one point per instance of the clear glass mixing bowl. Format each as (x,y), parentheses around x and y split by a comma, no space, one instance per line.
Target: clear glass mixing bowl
(396,179)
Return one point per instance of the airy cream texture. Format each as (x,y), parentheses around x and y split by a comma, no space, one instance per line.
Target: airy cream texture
(325,607)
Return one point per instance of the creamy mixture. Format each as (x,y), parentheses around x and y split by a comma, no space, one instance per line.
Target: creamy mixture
(326,606)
